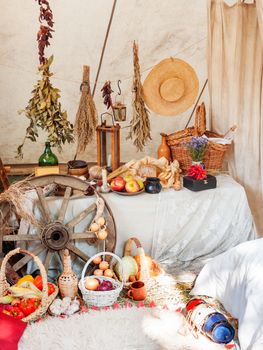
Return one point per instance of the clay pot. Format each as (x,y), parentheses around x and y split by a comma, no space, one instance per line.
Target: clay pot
(164,149)
(137,291)
(78,168)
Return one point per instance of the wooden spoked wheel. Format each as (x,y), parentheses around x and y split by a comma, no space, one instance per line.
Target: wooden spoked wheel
(55,234)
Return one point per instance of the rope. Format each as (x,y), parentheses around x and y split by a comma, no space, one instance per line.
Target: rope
(78,82)
(103,48)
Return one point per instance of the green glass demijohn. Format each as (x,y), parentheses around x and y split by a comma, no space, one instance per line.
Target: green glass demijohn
(48,158)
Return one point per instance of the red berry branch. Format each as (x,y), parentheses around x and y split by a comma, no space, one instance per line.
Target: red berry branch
(45,30)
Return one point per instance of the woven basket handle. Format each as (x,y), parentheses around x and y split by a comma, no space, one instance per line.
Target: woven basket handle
(128,246)
(144,269)
(3,282)
(95,256)
(200,120)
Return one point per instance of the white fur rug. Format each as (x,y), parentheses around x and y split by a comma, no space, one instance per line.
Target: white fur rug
(131,329)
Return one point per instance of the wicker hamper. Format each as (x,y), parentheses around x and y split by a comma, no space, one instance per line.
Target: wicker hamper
(45,300)
(215,153)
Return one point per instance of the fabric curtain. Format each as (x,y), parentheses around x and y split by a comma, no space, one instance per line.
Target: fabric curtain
(235,65)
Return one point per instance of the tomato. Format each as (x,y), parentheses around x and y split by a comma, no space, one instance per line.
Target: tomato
(38,282)
(28,306)
(17,313)
(51,288)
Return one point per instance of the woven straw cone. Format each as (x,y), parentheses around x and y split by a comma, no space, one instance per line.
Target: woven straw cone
(171,87)
(45,301)
(68,280)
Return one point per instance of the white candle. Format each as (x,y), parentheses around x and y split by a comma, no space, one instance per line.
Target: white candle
(104,178)
(109,161)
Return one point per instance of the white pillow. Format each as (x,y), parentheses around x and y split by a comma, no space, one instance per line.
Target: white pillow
(235,278)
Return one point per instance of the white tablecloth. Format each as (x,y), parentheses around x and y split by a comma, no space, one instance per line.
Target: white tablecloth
(179,228)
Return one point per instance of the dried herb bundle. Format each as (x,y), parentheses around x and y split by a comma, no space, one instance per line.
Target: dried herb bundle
(140,126)
(86,117)
(44,111)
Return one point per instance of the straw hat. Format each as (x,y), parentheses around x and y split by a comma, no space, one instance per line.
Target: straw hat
(171,87)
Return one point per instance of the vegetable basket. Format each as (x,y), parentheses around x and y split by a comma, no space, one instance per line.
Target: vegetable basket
(101,298)
(215,152)
(45,299)
(144,270)
(148,267)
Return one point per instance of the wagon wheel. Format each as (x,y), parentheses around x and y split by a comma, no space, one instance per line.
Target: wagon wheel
(56,234)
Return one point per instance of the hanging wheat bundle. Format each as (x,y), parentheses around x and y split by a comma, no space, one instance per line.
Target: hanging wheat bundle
(140,130)
(86,117)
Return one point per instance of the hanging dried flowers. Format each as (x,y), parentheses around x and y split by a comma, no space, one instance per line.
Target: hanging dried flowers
(44,109)
(140,130)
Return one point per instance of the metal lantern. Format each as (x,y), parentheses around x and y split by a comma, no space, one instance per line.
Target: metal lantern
(119,108)
(119,112)
(108,144)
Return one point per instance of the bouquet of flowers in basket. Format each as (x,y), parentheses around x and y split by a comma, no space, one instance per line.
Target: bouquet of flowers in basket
(197,148)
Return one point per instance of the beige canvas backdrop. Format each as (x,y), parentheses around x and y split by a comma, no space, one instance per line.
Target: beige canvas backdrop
(235,64)
(163,28)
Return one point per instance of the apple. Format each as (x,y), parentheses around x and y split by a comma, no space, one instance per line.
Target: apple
(118,184)
(141,184)
(132,186)
(128,178)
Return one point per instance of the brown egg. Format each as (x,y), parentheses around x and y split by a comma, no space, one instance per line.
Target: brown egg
(91,283)
(108,273)
(97,260)
(102,234)
(104,265)
(98,272)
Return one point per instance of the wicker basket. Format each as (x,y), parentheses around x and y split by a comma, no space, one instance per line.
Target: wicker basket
(45,301)
(144,271)
(147,270)
(215,153)
(101,298)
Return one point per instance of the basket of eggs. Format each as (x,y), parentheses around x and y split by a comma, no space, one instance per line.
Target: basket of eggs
(100,289)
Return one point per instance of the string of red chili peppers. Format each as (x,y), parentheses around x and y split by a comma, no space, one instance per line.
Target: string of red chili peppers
(45,31)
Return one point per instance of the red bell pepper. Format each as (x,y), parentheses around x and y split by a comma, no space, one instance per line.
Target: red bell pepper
(28,306)
(39,284)
(16,312)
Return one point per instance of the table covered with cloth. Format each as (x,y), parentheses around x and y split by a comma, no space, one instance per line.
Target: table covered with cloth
(180,229)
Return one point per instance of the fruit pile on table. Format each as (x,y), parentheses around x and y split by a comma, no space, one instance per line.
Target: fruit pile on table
(130,184)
